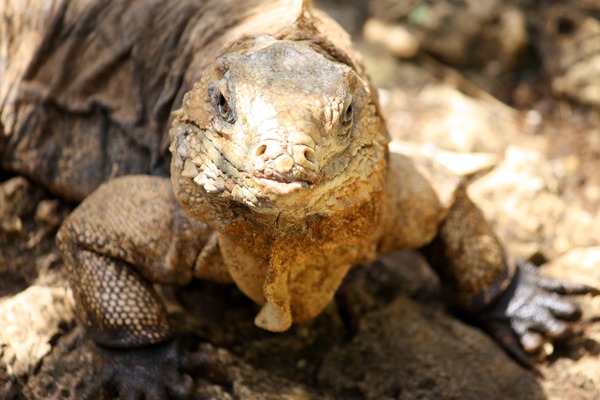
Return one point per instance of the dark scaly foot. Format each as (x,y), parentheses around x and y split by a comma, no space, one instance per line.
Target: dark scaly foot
(533,312)
(156,372)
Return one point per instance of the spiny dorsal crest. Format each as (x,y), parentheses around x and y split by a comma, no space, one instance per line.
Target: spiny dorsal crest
(300,6)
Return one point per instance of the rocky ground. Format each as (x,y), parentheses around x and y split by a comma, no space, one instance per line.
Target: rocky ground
(493,91)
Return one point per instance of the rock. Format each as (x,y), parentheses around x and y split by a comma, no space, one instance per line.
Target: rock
(14,203)
(392,76)
(462,123)
(65,375)
(450,119)
(572,379)
(408,351)
(30,322)
(399,41)
(351,14)
(580,265)
(251,383)
(577,376)
(569,47)
(47,213)
(66,371)
(463,164)
(468,33)
(28,223)
(521,198)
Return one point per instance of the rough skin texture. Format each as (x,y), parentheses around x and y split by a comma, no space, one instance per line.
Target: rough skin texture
(281,180)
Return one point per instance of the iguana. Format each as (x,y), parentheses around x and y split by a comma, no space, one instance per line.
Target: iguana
(281,178)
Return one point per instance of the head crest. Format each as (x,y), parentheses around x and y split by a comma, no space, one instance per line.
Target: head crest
(299,7)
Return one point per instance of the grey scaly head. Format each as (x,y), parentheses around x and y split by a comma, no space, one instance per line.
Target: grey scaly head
(281,127)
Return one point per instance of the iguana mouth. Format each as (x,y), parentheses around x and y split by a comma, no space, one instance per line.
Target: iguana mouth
(218,175)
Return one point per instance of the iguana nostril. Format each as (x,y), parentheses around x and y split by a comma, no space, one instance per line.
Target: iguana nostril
(268,150)
(260,150)
(305,157)
(294,160)
(310,156)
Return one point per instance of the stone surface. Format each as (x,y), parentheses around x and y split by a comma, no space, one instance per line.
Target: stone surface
(570,50)
(31,321)
(28,223)
(471,32)
(573,371)
(400,42)
(462,164)
(521,197)
(407,351)
(450,119)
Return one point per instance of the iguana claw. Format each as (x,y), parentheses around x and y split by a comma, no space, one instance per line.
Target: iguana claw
(532,312)
(153,372)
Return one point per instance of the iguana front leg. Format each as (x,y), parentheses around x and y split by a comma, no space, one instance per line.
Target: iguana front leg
(128,234)
(428,207)
(519,307)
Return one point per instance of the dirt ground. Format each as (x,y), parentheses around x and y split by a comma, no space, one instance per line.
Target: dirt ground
(505,75)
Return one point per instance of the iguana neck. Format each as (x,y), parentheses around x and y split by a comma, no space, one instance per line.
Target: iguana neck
(294,270)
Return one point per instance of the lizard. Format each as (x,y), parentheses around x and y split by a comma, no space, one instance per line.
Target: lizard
(281,179)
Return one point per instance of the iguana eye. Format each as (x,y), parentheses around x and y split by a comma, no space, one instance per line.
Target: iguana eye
(348,117)
(224,109)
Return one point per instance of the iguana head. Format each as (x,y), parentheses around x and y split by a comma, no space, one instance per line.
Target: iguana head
(281,127)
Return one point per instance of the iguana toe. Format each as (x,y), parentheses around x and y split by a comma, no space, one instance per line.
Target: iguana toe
(533,312)
(153,372)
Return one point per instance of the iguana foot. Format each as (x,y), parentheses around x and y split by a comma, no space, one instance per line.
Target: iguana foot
(533,312)
(153,372)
